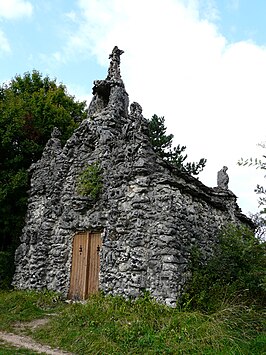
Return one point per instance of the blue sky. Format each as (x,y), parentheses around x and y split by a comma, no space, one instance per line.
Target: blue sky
(199,63)
(36,34)
(243,20)
(37,30)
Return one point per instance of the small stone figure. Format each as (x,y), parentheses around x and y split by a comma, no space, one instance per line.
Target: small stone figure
(223,178)
(55,133)
(114,68)
(135,109)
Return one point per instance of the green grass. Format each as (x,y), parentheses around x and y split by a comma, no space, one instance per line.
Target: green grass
(7,349)
(22,306)
(112,325)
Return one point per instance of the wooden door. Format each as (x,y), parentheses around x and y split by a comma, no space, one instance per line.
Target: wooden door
(84,278)
(95,243)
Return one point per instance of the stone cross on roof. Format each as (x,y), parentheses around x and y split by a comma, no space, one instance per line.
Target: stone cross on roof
(114,68)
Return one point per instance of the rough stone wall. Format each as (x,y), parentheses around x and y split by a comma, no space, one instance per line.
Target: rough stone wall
(150,214)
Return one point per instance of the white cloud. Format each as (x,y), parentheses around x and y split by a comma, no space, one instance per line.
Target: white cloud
(177,64)
(58,56)
(4,44)
(72,16)
(13,9)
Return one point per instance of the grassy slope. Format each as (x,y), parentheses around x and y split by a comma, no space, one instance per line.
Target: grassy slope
(111,325)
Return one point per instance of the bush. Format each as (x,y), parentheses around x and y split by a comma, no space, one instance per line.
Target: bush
(6,269)
(236,270)
(90,181)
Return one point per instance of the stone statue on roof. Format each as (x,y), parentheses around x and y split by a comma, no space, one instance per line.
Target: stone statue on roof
(223,178)
(56,133)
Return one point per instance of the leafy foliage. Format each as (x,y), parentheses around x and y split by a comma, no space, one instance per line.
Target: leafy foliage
(259,164)
(259,221)
(6,269)
(30,107)
(90,181)
(162,144)
(259,218)
(236,270)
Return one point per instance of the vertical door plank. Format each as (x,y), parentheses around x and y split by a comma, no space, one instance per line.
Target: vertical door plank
(77,288)
(95,243)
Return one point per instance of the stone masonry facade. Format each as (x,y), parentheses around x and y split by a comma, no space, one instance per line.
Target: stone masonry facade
(150,214)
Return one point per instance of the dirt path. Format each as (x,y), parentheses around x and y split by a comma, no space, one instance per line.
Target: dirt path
(23,341)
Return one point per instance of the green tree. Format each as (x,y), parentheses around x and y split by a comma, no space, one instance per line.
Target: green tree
(259,218)
(30,107)
(259,164)
(162,144)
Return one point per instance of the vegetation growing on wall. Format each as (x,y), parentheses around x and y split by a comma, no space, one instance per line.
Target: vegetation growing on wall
(90,181)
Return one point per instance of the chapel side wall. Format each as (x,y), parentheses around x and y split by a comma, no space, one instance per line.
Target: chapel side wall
(149,245)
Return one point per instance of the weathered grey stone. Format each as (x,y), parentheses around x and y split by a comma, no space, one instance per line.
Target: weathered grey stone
(223,178)
(149,213)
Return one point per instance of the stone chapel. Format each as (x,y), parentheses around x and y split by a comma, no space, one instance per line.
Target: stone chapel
(137,235)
